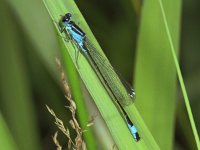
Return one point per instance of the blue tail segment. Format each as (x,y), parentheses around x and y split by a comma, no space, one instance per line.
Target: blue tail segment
(134,132)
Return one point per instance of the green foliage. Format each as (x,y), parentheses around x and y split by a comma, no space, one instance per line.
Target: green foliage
(160,84)
(6,141)
(155,70)
(15,91)
(180,77)
(29,77)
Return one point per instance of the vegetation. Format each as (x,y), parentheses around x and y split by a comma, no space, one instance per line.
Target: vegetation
(143,39)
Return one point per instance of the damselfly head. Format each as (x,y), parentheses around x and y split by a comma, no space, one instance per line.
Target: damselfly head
(67,17)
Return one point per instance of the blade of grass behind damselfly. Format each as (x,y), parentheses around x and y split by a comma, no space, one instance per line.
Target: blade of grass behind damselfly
(180,77)
(155,79)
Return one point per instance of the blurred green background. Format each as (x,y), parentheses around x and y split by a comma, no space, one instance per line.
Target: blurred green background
(29,77)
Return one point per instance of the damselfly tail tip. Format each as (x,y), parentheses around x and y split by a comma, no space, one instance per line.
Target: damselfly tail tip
(137,137)
(134,132)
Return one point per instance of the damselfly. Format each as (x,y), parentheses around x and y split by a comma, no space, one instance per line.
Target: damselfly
(118,89)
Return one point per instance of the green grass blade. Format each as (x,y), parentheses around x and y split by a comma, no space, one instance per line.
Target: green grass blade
(109,112)
(6,141)
(16,102)
(155,80)
(36,27)
(180,77)
(184,128)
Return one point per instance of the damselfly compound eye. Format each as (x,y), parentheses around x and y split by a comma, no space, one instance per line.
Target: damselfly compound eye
(67,17)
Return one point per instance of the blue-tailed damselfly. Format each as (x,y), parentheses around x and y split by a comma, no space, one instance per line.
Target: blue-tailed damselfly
(123,95)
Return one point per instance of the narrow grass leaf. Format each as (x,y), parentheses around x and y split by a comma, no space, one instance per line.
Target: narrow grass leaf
(180,77)
(155,80)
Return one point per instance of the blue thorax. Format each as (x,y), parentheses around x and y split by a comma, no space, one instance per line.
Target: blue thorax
(76,34)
